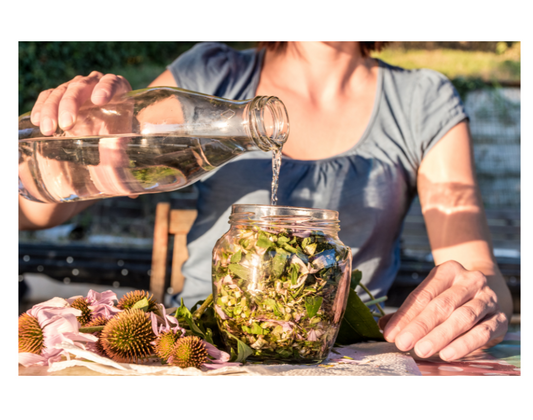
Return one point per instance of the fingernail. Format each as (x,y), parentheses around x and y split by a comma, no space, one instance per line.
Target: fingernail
(46,125)
(424,349)
(405,341)
(447,354)
(65,120)
(36,117)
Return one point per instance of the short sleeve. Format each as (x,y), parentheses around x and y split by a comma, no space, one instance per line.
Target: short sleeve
(216,69)
(436,108)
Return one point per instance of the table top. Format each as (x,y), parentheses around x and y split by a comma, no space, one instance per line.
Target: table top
(367,359)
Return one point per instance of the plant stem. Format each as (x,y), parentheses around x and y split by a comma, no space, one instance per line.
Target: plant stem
(198,313)
(374,301)
(91,329)
(380,309)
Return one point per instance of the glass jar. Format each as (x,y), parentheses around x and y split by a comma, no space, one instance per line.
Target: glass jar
(281,278)
(145,141)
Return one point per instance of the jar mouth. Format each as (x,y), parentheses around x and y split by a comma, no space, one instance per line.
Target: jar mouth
(300,218)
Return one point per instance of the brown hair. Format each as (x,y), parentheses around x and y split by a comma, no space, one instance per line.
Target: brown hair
(366,47)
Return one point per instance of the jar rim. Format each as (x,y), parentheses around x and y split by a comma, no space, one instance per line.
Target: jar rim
(284,216)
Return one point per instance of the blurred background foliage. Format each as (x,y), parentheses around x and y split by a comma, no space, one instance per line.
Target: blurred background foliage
(44,65)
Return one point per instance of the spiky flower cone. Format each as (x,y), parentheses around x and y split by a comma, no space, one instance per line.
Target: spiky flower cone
(82,304)
(98,321)
(129,299)
(188,352)
(31,338)
(127,337)
(164,344)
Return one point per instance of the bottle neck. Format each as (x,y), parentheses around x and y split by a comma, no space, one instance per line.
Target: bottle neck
(267,122)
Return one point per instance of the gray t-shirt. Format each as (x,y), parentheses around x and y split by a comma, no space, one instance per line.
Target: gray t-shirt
(371,185)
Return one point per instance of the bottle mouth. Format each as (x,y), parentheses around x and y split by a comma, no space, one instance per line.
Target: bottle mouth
(295,218)
(268,122)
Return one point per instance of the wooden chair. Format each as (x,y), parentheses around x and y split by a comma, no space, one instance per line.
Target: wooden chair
(169,223)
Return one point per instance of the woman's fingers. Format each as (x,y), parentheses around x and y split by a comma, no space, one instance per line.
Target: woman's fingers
(439,280)
(36,111)
(489,330)
(77,92)
(60,106)
(49,108)
(453,312)
(459,322)
(109,86)
(440,310)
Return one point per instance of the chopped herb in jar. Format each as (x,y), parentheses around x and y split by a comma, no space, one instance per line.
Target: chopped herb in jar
(275,291)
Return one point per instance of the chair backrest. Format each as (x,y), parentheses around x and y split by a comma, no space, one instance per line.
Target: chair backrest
(169,223)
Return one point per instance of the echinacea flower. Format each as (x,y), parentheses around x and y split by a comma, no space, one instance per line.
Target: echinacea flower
(45,325)
(130,299)
(127,337)
(169,333)
(95,305)
(187,352)
(166,333)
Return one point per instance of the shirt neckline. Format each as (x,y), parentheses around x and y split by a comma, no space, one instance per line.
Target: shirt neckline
(371,121)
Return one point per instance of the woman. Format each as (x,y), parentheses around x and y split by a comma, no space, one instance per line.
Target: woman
(365,138)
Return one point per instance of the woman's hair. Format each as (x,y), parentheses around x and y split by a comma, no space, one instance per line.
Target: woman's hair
(366,47)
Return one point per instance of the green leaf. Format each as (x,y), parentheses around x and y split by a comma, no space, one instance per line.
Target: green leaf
(263,241)
(235,258)
(256,329)
(282,240)
(310,249)
(293,273)
(273,305)
(183,314)
(240,271)
(355,279)
(243,350)
(312,305)
(358,324)
(279,261)
(142,304)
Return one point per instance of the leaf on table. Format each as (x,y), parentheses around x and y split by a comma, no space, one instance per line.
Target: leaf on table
(243,350)
(358,324)
(183,314)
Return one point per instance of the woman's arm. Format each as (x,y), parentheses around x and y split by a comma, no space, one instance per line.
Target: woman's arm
(453,210)
(34,216)
(464,303)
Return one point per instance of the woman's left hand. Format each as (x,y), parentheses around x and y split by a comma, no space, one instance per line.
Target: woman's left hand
(452,312)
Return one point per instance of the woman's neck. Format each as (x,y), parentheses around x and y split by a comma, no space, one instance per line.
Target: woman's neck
(319,71)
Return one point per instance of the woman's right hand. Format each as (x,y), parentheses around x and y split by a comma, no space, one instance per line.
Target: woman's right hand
(61,105)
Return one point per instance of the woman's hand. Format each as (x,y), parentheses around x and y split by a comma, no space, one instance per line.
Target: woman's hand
(452,312)
(61,105)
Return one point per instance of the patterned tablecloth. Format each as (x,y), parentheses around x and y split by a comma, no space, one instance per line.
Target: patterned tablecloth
(363,359)
(500,360)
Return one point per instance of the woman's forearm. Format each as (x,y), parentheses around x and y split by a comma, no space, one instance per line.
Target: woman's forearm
(34,216)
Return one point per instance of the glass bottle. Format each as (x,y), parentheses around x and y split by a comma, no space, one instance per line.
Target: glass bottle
(146,141)
(281,278)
